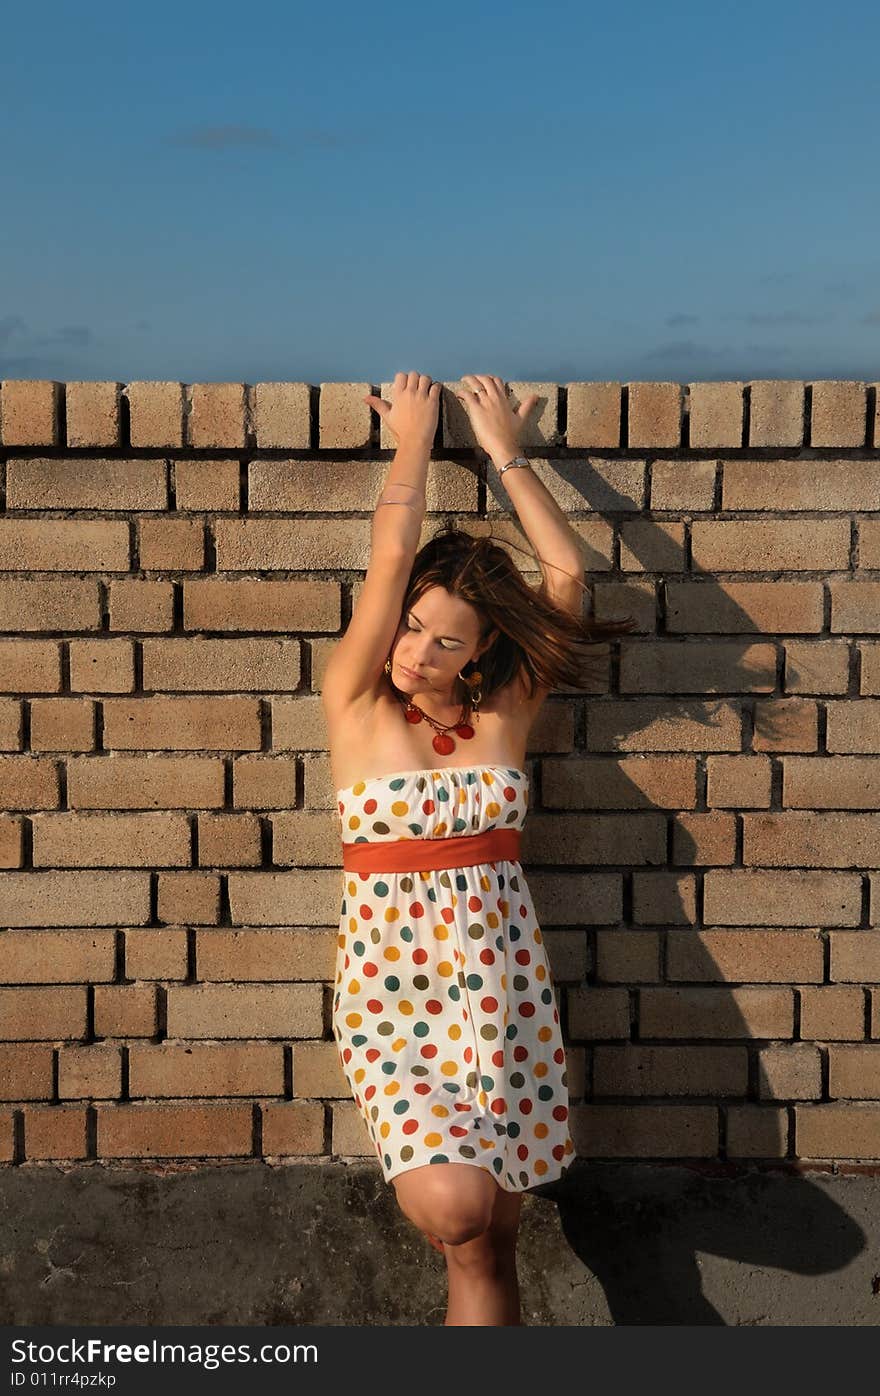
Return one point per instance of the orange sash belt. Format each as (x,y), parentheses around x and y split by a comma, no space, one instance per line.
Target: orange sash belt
(416,855)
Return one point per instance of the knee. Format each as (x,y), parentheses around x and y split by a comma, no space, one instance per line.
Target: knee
(456,1210)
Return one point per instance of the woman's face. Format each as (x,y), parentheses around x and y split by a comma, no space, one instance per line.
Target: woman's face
(437,636)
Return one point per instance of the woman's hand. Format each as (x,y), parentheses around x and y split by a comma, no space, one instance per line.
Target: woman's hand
(412,416)
(496,425)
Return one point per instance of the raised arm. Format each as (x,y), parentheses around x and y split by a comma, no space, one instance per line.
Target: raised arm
(355,667)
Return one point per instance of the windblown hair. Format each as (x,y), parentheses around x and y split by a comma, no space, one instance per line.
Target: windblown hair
(553,647)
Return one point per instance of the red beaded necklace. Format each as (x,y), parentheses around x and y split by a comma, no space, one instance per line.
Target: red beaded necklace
(442,743)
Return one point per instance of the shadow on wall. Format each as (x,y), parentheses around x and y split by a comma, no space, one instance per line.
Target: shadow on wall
(644,1251)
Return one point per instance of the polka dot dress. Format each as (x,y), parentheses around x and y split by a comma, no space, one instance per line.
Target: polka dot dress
(444,1012)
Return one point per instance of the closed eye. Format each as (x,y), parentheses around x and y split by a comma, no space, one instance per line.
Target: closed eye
(418,632)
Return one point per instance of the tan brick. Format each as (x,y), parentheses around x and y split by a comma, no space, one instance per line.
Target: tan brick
(155,413)
(776,412)
(93,414)
(594,416)
(831,1012)
(11,841)
(63,545)
(122,782)
(256,955)
(93,898)
(829,839)
(839,413)
(54,603)
(344,418)
(40,1013)
(649,666)
(291,545)
(56,957)
(28,782)
(170,1130)
(626,782)
(751,956)
(655,414)
(757,1131)
(105,484)
(264,782)
(282,415)
(207,484)
(663,896)
(566,953)
(11,734)
(636,601)
(293,1128)
(737,781)
(189,897)
(792,1072)
(90,1072)
(852,726)
(101,666)
(55,1132)
(747,897)
(29,665)
(350,1138)
(139,606)
(217,415)
(868,541)
(344,486)
(710,1013)
(230,841)
(302,838)
(62,724)
(25,1071)
(627,956)
(855,605)
(114,840)
(164,723)
(299,723)
(664,725)
(635,1069)
(317,1071)
(870,660)
(650,545)
(202,664)
(245,1010)
(563,838)
(701,607)
(770,545)
(771,486)
(645,1131)
(855,956)
(29,413)
(837,1131)
(703,838)
(7,1136)
(683,484)
(598,1013)
(716,414)
(171,544)
(156,953)
(785,724)
(309,898)
(816,666)
(206,1069)
(261,605)
(125,1010)
(854,1072)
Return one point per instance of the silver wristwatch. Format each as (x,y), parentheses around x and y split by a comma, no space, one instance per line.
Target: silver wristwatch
(517,461)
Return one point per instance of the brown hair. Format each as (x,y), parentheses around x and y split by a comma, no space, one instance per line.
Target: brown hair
(551,645)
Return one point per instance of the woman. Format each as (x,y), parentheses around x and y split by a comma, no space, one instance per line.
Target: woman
(444,1011)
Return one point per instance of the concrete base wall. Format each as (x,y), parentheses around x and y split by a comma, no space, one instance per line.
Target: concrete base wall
(169,1244)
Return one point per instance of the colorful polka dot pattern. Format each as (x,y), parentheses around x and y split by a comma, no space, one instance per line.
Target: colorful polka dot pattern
(444,1013)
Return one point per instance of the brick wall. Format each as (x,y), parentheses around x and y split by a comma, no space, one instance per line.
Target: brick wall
(703,842)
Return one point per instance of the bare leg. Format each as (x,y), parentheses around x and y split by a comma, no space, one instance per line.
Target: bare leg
(483,1283)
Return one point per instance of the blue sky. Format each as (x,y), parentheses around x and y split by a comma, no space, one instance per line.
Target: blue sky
(211,192)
